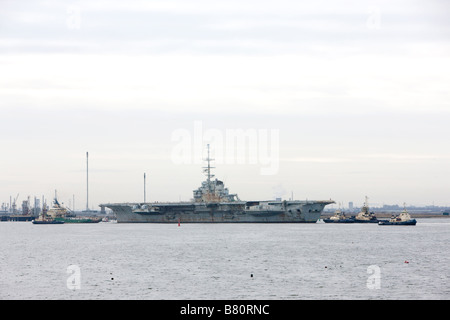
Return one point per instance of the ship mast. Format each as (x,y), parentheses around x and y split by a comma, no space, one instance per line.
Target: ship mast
(366,205)
(207,170)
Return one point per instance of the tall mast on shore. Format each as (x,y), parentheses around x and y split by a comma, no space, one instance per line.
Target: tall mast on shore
(87,181)
(144,188)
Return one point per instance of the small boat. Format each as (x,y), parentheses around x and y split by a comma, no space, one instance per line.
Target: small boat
(60,213)
(44,218)
(365,216)
(339,217)
(403,219)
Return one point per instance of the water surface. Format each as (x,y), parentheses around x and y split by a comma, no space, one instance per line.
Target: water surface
(217,261)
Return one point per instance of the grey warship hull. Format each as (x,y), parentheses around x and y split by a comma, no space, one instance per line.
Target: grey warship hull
(232,212)
(212,203)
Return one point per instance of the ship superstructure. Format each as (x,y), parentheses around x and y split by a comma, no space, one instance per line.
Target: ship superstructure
(212,203)
(365,216)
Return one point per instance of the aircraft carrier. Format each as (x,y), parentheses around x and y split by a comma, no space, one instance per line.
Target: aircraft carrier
(212,203)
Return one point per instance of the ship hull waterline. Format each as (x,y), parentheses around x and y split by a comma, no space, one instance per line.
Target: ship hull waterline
(47,222)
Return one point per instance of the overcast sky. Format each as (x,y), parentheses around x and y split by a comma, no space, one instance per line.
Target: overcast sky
(346,99)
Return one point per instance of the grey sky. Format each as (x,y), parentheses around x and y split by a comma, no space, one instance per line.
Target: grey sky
(358,91)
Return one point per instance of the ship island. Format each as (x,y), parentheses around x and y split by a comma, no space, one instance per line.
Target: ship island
(213,203)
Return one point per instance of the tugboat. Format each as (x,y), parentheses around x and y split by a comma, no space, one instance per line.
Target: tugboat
(44,218)
(365,216)
(403,219)
(60,213)
(46,221)
(339,217)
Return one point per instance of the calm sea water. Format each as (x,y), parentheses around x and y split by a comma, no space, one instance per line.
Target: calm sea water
(217,261)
